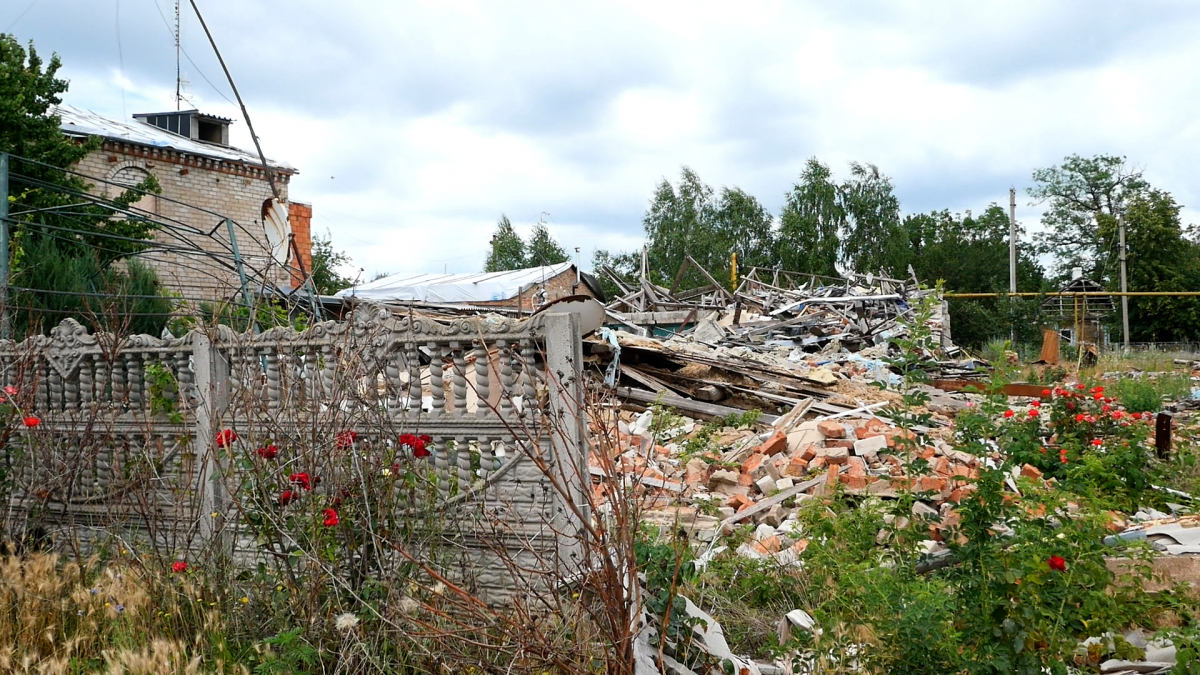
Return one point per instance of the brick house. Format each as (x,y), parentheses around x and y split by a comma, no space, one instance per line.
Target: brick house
(204,180)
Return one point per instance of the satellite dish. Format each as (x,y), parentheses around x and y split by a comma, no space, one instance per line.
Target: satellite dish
(591,312)
(275,223)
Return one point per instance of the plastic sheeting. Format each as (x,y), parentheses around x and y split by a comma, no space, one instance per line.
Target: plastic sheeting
(455,288)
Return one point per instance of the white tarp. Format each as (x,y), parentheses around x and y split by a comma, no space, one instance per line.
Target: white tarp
(455,288)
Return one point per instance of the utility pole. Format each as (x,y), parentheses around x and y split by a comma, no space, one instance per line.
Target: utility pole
(178,74)
(1012,240)
(1124,283)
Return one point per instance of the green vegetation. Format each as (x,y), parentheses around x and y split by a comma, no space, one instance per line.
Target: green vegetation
(509,252)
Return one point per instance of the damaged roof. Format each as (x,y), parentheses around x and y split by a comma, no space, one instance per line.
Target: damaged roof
(79,122)
(464,287)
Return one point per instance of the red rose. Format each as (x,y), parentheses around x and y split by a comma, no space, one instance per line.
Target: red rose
(1081,386)
(1036,404)
(179,566)
(10,390)
(1097,442)
(1045,392)
(267,452)
(226,438)
(1097,397)
(287,497)
(331,517)
(426,438)
(1137,415)
(1057,563)
(1008,413)
(416,444)
(302,479)
(31,421)
(1033,412)
(1080,417)
(346,439)
(1117,414)
(1098,390)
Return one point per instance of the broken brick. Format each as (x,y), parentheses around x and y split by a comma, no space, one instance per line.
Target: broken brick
(1031,471)
(774,445)
(831,429)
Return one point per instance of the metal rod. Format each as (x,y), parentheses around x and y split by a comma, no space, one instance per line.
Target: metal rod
(4,326)
(237,259)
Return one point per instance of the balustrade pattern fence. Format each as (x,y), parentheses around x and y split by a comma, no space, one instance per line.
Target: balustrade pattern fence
(128,451)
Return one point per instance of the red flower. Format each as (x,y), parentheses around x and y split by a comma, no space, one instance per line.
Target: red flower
(1105,407)
(267,452)
(1045,392)
(416,444)
(346,439)
(302,479)
(1033,412)
(1070,406)
(31,421)
(1097,442)
(1137,416)
(331,517)
(1008,413)
(287,497)
(1098,390)
(1080,417)
(1035,403)
(10,390)
(425,438)
(1081,386)
(1117,414)
(1098,397)
(179,566)
(226,438)
(1057,563)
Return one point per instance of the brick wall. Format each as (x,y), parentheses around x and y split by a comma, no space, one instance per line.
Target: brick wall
(556,287)
(210,190)
(300,218)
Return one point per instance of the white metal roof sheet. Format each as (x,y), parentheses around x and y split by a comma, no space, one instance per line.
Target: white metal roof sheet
(467,287)
(87,123)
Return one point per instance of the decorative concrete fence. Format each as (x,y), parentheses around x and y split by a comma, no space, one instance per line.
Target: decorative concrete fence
(129,450)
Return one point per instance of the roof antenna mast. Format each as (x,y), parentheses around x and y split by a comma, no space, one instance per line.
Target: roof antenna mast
(178,76)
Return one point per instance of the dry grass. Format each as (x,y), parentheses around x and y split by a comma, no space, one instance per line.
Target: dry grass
(66,617)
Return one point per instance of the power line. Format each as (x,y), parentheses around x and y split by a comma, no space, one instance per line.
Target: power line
(20,16)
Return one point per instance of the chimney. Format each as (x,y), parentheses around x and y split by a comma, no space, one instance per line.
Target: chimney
(191,124)
(300,218)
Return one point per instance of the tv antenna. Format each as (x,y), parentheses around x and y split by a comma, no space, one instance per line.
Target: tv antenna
(178,73)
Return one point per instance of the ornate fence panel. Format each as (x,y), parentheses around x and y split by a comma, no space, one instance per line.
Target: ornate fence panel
(131,449)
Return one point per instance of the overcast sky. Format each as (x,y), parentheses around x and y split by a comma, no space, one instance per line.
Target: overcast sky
(415,125)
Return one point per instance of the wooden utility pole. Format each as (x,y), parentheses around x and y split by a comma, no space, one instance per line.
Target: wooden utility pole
(1012,240)
(1124,283)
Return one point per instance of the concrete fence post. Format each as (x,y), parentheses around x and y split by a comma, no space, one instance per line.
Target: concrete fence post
(212,398)
(568,419)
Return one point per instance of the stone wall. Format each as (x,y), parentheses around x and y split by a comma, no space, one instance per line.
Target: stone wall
(209,190)
(501,401)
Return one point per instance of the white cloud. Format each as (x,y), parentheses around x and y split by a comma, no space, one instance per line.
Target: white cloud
(415,124)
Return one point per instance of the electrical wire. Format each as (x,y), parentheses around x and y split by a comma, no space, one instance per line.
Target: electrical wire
(189,57)
(20,16)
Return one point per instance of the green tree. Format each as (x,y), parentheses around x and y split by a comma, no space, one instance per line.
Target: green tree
(678,223)
(542,250)
(809,224)
(970,255)
(624,265)
(1084,196)
(742,225)
(325,264)
(1160,258)
(507,250)
(56,250)
(874,240)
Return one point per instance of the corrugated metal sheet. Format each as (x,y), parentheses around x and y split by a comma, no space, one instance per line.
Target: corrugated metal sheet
(469,287)
(86,123)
